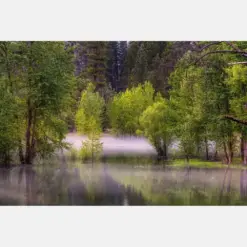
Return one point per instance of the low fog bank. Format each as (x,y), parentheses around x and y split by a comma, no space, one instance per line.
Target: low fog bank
(116,145)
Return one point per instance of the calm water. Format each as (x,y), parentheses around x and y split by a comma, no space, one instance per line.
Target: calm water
(80,184)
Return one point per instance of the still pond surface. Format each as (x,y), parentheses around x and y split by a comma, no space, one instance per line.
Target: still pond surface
(102,184)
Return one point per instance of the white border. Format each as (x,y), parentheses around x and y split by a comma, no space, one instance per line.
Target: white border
(122,226)
(122,20)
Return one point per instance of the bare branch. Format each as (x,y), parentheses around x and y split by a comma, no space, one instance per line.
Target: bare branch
(234,46)
(233,63)
(200,49)
(241,53)
(240,121)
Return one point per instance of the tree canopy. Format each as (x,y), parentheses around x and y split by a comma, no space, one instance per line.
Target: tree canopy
(193,93)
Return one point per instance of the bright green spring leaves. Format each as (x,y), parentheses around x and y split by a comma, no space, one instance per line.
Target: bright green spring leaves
(139,111)
(89,114)
(156,125)
(126,108)
(186,101)
(237,82)
(89,122)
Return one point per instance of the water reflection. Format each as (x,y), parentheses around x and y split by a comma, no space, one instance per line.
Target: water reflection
(112,185)
(64,186)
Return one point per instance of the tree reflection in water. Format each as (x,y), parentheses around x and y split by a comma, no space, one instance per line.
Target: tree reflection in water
(102,185)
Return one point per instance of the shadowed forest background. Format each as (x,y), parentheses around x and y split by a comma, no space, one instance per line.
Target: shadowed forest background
(186,99)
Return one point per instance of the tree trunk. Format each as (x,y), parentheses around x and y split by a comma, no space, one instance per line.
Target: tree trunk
(6,158)
(216,155)
(158,149)
(21,155)
(245,153)
(216,152)
(206,148)
(226,154)
(33,136)
(230,147)
(162,153)
(242,149)
(92,151)
(28,154)
(28,134)
(187,159)
(198,150)
(165,156)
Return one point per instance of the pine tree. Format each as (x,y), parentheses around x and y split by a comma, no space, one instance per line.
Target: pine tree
(112,69)
(122,55)
(152,49)
(172,53)
(116,56)
(80,57)
(139,73)
(95,61)
(132,51)
(155,75)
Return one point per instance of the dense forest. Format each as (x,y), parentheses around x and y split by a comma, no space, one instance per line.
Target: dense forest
(193,93)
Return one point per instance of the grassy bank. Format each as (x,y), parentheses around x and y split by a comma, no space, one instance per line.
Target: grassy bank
(197,163)
(134,159)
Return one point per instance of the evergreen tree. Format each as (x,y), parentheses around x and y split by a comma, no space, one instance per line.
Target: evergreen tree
(130,61)
(112,70)
(122,62)
(95,62)
(140,70)
(155,74)
(80,57)
(116,55)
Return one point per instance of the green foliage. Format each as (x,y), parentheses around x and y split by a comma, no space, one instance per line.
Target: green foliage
(89,122)
(139,72)
(156,123)
(153,61)
(91,148)
(73,154)
(9,130)
(95,70)
(40,95)
(237,82)
(39,77)
(125,109)
(201,96)
(185,103)
(89,114)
